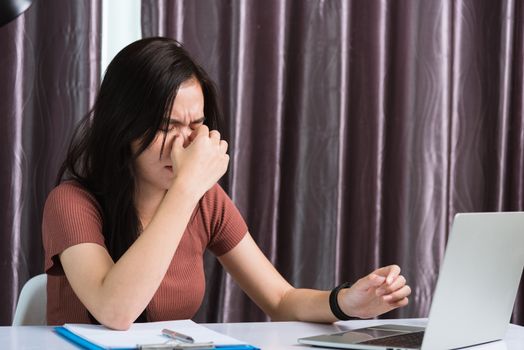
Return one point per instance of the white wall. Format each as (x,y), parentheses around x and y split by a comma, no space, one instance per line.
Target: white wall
(120,27)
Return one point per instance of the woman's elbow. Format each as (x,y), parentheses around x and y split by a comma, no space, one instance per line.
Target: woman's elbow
(281,313)
(280,318)
(116,323)
(119,320)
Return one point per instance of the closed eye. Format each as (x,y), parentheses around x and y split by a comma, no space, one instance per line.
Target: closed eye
(173,123)
(195,124)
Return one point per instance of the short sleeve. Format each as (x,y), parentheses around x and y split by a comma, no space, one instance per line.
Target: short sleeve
(224,223)
(70,217)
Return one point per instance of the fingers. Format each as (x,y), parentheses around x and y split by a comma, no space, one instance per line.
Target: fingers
(223,146)
(398,295)
(192,136)
(400,303)
(370,281)
(393,273)
(202,130)
(390,272)
(202,134)
(226,162)
(399,282)
(178,143)
(214,135)
(387,275)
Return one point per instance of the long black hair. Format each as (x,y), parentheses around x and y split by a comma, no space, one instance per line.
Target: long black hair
(134,102)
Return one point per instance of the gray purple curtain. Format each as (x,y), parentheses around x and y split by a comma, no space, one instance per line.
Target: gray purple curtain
(49,74)
(357,128)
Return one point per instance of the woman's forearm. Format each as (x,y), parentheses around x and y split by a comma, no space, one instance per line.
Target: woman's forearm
(305,305)
(117,293)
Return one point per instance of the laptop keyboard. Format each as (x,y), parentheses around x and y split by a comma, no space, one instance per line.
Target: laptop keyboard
(408,340)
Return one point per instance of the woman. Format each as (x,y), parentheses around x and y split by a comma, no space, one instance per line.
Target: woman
(125,232)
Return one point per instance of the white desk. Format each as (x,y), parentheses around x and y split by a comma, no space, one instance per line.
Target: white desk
(265,335)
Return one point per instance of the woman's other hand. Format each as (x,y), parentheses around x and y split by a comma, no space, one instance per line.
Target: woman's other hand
(381,291)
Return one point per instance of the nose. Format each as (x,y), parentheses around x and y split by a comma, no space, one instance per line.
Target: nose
(184,133)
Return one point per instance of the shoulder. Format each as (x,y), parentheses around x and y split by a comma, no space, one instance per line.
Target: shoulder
(71,216)
(68,198)
(70,191)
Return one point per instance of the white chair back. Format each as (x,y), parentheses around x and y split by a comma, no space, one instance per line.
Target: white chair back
(32,303)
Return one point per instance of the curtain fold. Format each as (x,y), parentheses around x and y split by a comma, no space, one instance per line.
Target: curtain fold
(49,73)
(358,129)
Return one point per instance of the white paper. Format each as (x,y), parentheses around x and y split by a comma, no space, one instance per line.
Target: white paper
(147,333)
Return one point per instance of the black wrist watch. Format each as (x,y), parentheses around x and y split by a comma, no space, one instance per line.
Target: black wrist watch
(333,302)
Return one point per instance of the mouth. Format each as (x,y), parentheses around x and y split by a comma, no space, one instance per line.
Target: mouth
(169,167)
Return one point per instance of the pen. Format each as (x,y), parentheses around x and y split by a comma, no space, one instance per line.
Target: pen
(177,336)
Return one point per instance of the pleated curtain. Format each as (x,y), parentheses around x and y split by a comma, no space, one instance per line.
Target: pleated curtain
(357,129)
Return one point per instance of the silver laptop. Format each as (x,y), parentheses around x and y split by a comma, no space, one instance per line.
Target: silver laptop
(474,296)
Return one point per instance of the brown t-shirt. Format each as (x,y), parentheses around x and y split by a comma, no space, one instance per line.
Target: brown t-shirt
(72,216)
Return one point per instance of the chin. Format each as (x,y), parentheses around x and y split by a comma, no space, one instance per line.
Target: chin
(164,183)
(167,184)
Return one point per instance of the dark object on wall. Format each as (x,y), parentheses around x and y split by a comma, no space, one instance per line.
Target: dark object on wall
(10,9)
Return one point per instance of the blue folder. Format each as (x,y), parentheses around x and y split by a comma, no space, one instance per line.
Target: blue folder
(64,332)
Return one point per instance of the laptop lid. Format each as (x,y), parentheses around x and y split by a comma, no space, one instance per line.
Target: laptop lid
(476,289)
(478,280)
